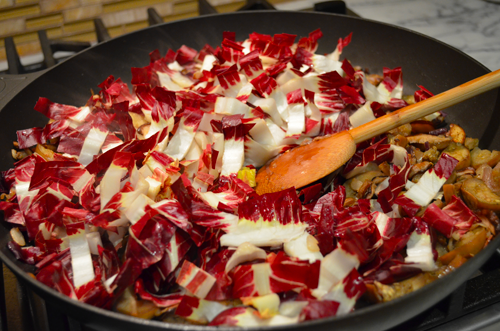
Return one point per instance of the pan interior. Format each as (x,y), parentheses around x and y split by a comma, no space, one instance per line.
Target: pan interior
(424,61)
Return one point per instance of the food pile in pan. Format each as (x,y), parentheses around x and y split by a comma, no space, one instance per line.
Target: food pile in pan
(144,201)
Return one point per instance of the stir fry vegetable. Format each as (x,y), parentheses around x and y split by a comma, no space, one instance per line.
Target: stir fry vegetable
(144,201)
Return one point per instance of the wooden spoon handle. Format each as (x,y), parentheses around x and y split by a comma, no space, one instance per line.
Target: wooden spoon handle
(426,107)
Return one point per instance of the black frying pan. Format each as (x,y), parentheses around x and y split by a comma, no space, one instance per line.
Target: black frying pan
(424,61)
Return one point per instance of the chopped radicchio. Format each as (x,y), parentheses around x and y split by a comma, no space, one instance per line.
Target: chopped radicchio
(143,199)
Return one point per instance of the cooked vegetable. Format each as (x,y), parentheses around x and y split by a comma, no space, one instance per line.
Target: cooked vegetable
(483,156)
(478,195)
(429,140)
(459,152)
(143,201)
(457,134)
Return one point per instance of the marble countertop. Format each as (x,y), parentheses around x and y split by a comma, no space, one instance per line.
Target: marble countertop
(472,26)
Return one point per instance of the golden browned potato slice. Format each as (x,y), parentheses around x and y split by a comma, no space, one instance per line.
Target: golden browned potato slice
(470,244)
(495,174)
(437,141)
(128,304)
(419,167)
(379,292)
(398,140)
(478,195)
(369,175)
(482,156)
(457,134)
(459,152)
(44,152)
(374,79)
(421,126)
(471,143)
(410,99)
(404,130)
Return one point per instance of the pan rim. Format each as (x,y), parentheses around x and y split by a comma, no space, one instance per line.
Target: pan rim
(66,300)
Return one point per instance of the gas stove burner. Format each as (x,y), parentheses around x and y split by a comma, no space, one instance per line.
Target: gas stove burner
(49,48)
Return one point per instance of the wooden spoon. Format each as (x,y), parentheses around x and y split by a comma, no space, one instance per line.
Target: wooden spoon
(307,163)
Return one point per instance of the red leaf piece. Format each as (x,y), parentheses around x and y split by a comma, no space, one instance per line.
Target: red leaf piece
(439,220)
(55,111)
(302,57)
(12,213)
(30,137)
(264,84)
(234,127)
(445,166)
(392,77)
(397,182)
(422,94)
(56,277)
(149,238)
(348,69)
(310,43)
(30,254)
(129,271)
(185,55)
(280,275)
(68,171)
(319,309)
(464,217)
(408,205)
(162,301)
(251,64)
(350,95)
(195,280)
(344,42)
(229,316)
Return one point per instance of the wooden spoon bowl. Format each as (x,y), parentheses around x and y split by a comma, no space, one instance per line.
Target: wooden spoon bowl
(307,163)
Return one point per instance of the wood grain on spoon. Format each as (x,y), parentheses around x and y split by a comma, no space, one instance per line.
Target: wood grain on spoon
(305,164)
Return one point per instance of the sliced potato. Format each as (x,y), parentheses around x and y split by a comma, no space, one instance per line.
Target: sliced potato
(495,174)
(419,167)
(448,192)
(421,126)
(374,79)
(356,184)
(349,202)
(457,261)
(438,141)
(478,195)
(470,244)
(409,98)
(485,173)
(431,155)
(17,236)
(482,156)
(44,152)
(471,143)
(385,168)
(457,134)
(398,140)
(369,175)
(366,189)
(349,192)
(379,292)
(459,152)
(404,130)
(128,304)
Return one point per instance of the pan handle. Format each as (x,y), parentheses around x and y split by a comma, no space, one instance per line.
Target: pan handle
(10,85)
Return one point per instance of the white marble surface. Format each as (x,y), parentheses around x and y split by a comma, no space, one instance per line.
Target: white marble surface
(472,26)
